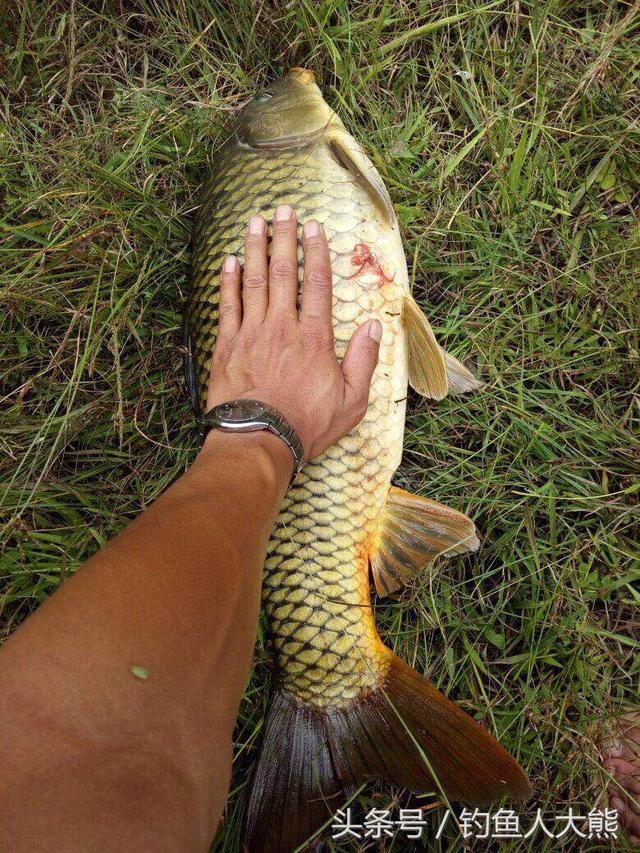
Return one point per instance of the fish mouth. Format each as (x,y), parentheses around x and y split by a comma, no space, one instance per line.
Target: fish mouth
(305,75)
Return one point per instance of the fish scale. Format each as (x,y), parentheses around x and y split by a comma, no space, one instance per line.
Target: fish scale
(327,649)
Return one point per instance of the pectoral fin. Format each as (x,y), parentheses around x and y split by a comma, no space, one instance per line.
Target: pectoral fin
(352,158)
(413,532)
(427,368)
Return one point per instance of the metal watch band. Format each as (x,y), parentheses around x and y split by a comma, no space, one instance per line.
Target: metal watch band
(251,416)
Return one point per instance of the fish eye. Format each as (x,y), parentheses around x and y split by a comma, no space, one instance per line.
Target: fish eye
(263,96)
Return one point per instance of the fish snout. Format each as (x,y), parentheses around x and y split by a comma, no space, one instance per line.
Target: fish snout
(305,75)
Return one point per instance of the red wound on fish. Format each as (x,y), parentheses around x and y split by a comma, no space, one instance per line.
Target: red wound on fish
(363,258)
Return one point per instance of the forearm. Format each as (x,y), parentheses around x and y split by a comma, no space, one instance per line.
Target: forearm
(119,696)
(174,598)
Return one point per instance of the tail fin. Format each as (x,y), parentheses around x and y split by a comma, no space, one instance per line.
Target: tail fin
(309,757)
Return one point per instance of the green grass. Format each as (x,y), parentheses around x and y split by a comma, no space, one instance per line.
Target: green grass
(508,136)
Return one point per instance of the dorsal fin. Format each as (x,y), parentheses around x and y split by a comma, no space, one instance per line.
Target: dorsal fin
(352,158)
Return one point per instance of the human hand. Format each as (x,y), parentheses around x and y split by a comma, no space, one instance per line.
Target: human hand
(267,350)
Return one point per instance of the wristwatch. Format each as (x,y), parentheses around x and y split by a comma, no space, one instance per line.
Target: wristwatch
(252,415)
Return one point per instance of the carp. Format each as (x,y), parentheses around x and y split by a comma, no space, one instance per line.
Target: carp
(344,707)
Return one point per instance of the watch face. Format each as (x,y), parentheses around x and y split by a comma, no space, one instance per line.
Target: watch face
(241,410)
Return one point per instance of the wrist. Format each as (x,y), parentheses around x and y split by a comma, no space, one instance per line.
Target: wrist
(266,455)
(253,414)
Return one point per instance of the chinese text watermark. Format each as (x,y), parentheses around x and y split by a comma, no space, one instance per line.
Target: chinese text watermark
(474,823)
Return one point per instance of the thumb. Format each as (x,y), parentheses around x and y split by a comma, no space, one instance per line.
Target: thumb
(358,364)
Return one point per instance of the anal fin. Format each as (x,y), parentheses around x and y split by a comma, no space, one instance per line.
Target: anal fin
(414,531)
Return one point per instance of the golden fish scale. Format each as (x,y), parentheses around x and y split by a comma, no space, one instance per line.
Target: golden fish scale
(316,585)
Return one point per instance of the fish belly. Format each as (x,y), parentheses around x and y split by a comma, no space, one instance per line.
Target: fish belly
(316,585)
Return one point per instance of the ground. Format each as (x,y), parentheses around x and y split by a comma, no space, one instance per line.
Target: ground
(507,134)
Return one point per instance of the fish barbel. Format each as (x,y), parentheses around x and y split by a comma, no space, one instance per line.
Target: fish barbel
(344,707)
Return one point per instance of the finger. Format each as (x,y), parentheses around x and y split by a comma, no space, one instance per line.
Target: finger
(358,365)
(283,269)
(316,292)
(255,294)
(230,305)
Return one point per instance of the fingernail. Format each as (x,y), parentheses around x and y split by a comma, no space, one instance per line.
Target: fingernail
(614,748)
(257,225)
(230,263)
(283,212)
(311,228)
(375,330)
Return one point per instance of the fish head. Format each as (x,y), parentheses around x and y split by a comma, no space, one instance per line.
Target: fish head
(289,112)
